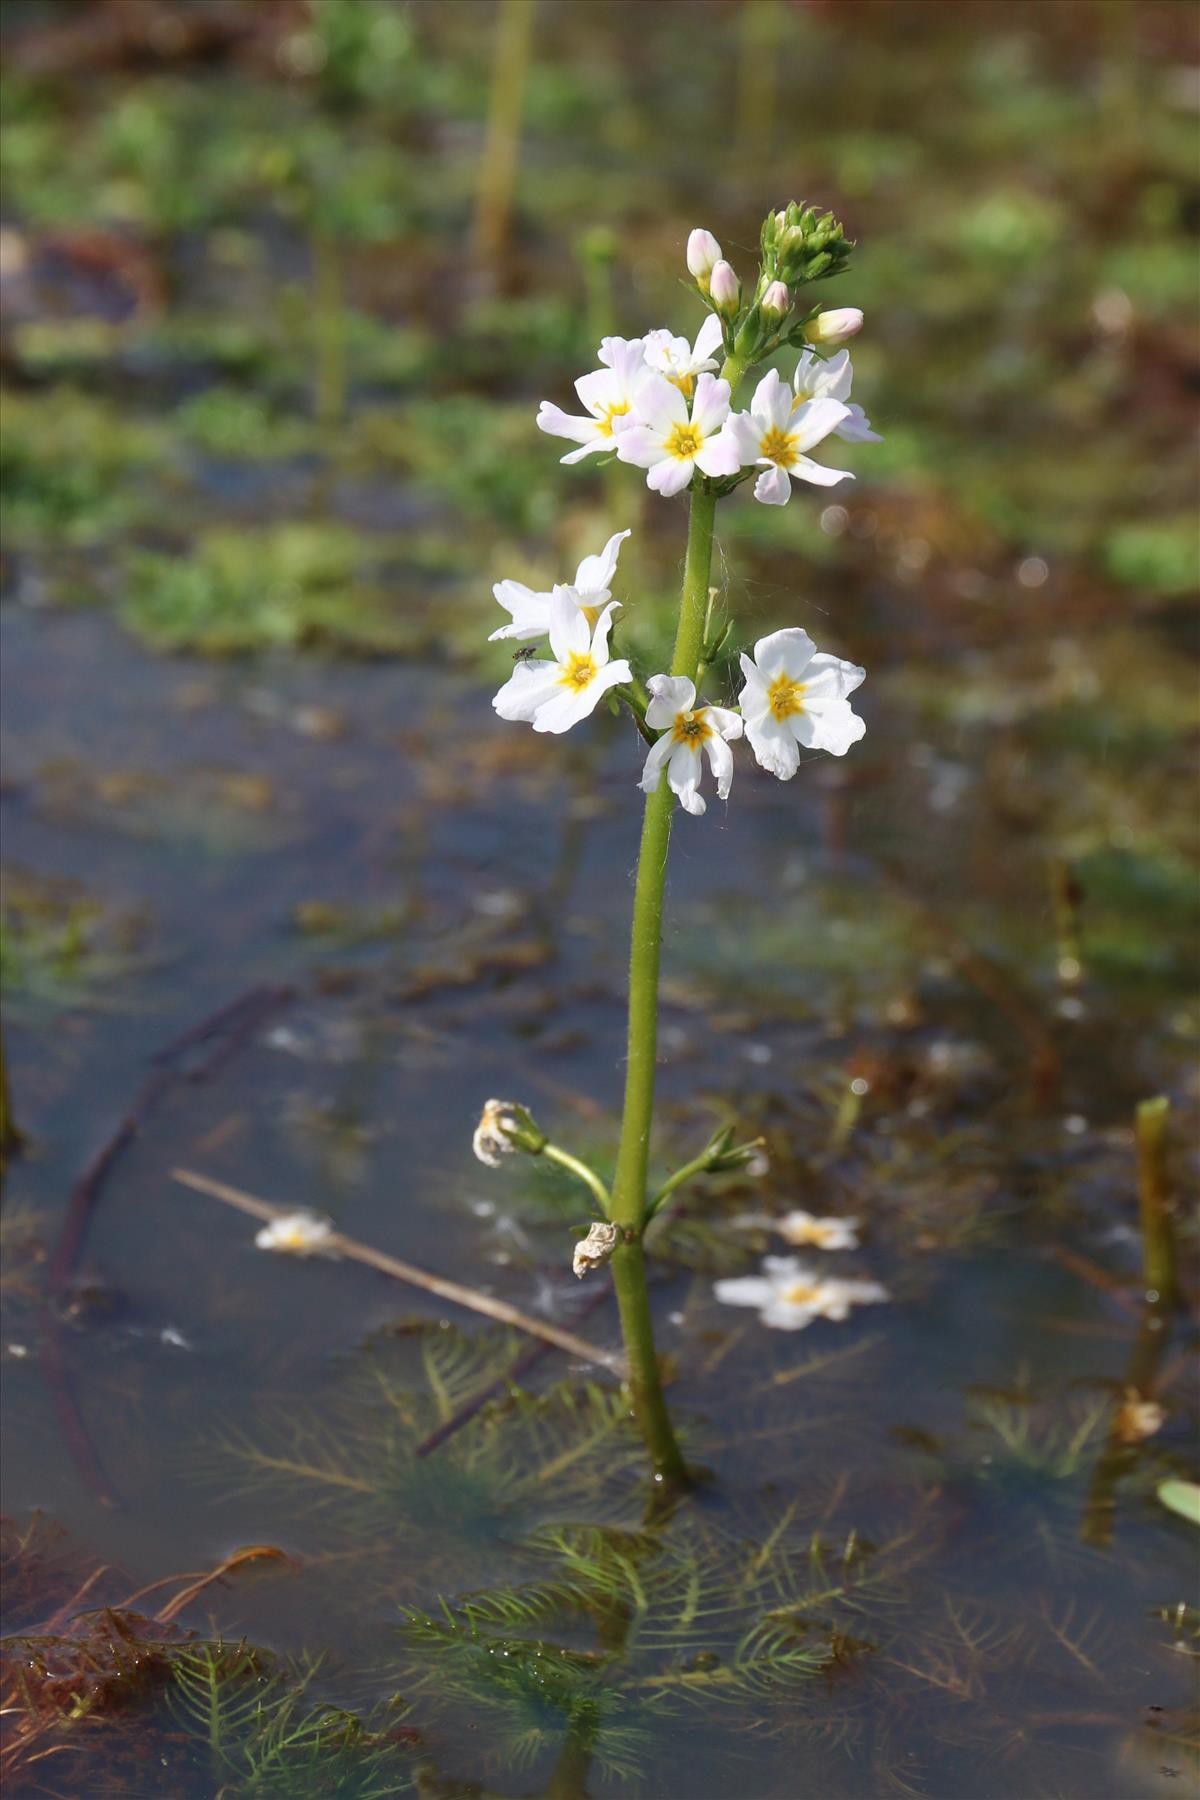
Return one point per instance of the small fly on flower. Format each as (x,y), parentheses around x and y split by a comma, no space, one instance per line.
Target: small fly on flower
(525,655)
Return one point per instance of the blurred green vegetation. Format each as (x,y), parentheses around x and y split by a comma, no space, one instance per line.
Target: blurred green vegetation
(261,393)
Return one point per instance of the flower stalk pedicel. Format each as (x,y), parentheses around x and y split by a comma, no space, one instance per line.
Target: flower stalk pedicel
(666,405)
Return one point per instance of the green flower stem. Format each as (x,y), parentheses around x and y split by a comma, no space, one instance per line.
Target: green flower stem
(699,1165)
(628,1208)
(580,1170)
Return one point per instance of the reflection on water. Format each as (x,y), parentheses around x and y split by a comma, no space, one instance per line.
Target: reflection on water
(920,1537)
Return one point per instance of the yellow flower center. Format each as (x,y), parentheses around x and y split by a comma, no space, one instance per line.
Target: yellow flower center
(685,383)
(607,414)
(691,728)
(777,447)
(802,394)
(577,672)
(785,697)
(685,440)
(811,1233)
(801,1293)
(591,614)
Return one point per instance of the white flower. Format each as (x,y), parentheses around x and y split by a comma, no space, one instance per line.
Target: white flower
(795,696)
(668,443)
(777,300)
(775,434)
(590,591)
(686,730)
(790,1296)
(680,361)
(817,380)
(834,327)
(802,1229)
(297,1234)
(608,393)
(553,696)
(703,255)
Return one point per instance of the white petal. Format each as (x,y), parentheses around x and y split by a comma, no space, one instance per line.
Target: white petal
(596,446)
(829,380)
(528,687)
(773,402)
(600,635)
(834,726)
(625,357)
(671,475)
(786,1317)
(720,455)
(557,423)
(774,747)
(857,428)
(710,404)
(595,573)
(729,724)
(786,652)
(652,768)
(666,354)
(745,1290)
(708,338)
(720,758)
(569,633)
(669,695)
(804,469)
(829,678)
(755,680)
(599,390)
(661,405)
(683,777)
(530,611)
(813,421)
(640,445)
(746,435)
(773,487)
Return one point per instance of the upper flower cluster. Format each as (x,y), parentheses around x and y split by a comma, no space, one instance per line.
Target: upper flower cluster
(658,402)
(658,405)
(664,404)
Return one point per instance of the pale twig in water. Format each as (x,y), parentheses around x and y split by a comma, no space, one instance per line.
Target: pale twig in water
(353,1251)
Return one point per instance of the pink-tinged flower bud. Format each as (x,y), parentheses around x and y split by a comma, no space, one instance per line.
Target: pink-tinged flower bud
(725,290)
(703,253)
(777,301)
(834,327)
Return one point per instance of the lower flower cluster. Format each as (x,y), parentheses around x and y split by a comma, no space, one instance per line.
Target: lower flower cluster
(794,697)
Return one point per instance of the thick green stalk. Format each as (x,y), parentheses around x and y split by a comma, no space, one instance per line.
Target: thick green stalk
(628,1209)
(629,1184)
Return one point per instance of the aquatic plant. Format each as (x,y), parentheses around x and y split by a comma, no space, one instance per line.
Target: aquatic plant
(435,1452)
(619,1628)
(665,405)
